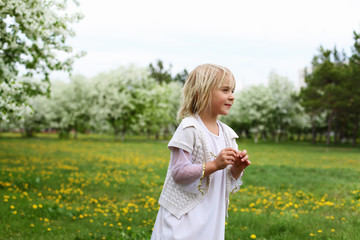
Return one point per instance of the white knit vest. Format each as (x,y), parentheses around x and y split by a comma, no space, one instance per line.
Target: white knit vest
(190,137)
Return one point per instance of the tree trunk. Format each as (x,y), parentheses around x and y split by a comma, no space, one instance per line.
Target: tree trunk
(277,135)
(321,136)
(356,129)
(256,136)
(28,132)
(329,129)
(75,134)
(166,132)
(336,131)
(313,130)
(299,135)
(116,134)
(123,132)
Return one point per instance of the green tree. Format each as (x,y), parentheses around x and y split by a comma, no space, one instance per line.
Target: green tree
(32,35)
(324,88)
(354,86)
(162,75)
(159,73)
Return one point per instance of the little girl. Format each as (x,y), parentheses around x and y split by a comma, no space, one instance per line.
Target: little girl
(205,165)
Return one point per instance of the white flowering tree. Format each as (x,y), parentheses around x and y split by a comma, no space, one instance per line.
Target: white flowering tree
(251,110)
(33,35)
(161,105)
(71,104)
(283,107)
(121,97)
(269,111)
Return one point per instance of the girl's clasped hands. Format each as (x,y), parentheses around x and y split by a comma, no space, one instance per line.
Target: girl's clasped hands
(229,156)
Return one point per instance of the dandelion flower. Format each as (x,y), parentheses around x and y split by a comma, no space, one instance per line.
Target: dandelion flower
(253,236)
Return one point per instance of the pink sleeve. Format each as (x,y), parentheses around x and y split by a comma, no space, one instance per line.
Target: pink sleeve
(183,170)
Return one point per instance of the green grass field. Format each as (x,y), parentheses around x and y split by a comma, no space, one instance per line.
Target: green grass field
(96,188)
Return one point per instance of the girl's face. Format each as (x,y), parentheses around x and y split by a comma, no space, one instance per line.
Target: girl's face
(222,98)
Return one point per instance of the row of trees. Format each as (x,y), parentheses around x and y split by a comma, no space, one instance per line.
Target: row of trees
(333,91)
(329,103)
(139,100)
(144,100)
(122,100)
(269,112)
(128,99)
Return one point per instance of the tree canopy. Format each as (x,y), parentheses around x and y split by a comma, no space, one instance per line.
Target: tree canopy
(33,43)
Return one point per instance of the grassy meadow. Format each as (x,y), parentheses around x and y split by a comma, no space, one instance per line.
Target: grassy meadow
(97,188)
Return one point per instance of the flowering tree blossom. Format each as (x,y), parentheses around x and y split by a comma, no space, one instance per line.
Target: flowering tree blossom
(120,97)
(33,34)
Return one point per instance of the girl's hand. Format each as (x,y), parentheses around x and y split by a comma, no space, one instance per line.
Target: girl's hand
(226,156)
(240,163)
(242,160)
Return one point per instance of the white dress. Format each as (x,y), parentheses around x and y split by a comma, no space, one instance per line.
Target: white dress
(207,220)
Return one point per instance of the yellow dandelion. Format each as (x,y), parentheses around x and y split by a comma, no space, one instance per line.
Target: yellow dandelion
(332,230)
(14,212)
(32,225)
(34,206)
(12,207)
(253,236)
(128,228)
(48,229)
(312,235)
(319,231)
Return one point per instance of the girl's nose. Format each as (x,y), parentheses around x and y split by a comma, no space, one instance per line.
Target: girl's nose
(231,96)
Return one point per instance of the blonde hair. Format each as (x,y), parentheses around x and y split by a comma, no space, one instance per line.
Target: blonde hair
(196,94)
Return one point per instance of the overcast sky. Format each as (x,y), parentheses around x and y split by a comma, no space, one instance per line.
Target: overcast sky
(251,38)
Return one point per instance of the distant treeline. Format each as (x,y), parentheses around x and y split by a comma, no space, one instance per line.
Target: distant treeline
(145,101)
